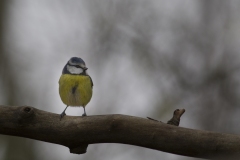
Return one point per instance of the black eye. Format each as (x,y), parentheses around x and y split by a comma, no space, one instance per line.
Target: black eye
(78,66)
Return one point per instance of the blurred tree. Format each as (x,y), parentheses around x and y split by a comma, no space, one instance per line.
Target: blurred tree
(14,147)
(199,64)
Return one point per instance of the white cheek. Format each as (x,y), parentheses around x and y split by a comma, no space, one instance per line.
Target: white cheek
(74,70)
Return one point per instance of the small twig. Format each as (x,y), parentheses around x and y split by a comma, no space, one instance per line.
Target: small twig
(175,120)
(153,119)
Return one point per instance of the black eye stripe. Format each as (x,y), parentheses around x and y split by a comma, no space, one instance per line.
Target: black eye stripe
(77,66)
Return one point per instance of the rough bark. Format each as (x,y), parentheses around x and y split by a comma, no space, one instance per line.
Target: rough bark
(77,132)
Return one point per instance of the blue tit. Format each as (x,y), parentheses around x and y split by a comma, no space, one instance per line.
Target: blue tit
(75,85)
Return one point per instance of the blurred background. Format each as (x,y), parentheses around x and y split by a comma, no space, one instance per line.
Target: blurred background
(146,58)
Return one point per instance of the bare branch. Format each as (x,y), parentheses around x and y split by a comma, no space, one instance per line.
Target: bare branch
(77,132)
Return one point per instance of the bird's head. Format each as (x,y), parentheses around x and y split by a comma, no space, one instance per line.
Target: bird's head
(75,66)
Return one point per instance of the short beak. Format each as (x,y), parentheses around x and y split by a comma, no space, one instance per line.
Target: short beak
(85,68)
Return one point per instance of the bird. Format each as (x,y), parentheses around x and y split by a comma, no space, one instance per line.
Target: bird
(75,85)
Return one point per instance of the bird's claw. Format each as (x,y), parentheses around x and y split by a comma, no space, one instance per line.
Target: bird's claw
(62,115)
(84,114)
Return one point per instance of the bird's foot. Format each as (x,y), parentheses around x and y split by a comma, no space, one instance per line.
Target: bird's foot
(62,115)
(84,114)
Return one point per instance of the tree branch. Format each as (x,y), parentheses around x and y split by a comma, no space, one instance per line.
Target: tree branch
(77,132)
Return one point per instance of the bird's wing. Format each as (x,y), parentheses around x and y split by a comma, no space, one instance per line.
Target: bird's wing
(91,80)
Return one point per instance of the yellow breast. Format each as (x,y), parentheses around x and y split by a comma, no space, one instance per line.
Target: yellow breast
(75,90)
